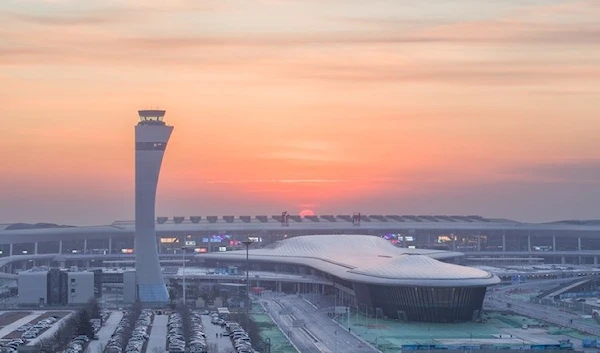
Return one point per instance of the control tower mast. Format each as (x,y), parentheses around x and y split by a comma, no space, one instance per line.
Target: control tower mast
(151,138)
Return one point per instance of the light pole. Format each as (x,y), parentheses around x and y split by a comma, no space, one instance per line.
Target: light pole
(348,319)
(247,242)
(183,271)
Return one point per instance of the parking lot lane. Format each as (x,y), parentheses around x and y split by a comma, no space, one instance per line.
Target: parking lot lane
(223,344)
(106,331)
(158,336)
(6,330)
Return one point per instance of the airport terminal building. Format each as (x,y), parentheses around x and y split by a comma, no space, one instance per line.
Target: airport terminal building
(407,284)
(563,242)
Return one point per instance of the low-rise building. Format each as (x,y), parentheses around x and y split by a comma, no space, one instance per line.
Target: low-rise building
(43,287)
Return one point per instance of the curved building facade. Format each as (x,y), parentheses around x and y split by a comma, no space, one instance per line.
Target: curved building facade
(408,284)
(151,138)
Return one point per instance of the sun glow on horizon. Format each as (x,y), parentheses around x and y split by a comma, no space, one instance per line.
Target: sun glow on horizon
(278,105)
(305,213)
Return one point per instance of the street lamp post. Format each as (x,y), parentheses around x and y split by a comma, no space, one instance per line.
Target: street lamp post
(183,271)
(247,242)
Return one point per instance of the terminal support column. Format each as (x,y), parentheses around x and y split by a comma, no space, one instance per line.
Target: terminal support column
(85,246)
(503,240)
(10,251)
(35,248)
(554,243)
(529,242)
(60,246)
(109,245)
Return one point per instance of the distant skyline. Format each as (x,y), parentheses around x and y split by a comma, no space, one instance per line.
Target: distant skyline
(341,106)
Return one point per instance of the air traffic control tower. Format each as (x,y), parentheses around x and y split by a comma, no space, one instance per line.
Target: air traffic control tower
(151,137)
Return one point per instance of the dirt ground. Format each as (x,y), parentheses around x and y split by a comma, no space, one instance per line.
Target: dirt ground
(9,317)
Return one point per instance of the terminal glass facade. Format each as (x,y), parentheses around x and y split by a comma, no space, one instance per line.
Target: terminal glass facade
(428,304)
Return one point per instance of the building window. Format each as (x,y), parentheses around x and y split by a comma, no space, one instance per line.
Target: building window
(72,290)
(72,280)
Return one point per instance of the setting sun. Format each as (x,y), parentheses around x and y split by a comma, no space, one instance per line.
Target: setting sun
(305,213)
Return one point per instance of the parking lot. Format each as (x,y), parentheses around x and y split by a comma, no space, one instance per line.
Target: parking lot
(37,325)
(20,318)
(24,327)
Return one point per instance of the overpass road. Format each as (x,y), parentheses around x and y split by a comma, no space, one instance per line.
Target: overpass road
(501,300)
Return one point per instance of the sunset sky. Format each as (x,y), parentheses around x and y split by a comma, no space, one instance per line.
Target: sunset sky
(336,106)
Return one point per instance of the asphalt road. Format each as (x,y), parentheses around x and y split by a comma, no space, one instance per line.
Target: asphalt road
(318,328)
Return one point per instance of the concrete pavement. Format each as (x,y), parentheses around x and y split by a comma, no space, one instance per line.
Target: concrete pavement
(158,335)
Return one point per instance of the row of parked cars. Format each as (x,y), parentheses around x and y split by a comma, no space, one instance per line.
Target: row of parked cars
(239,337)
(119,338)
(140,332)
(32,331)
(77,344)
(98,322)
(11,346)
(176,342)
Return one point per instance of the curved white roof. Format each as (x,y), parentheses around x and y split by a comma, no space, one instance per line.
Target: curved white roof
(367,259)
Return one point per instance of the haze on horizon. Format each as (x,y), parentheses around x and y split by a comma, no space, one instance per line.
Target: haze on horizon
(380,107)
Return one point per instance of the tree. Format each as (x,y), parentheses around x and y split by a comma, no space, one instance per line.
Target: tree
(84,326)
(93,308)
